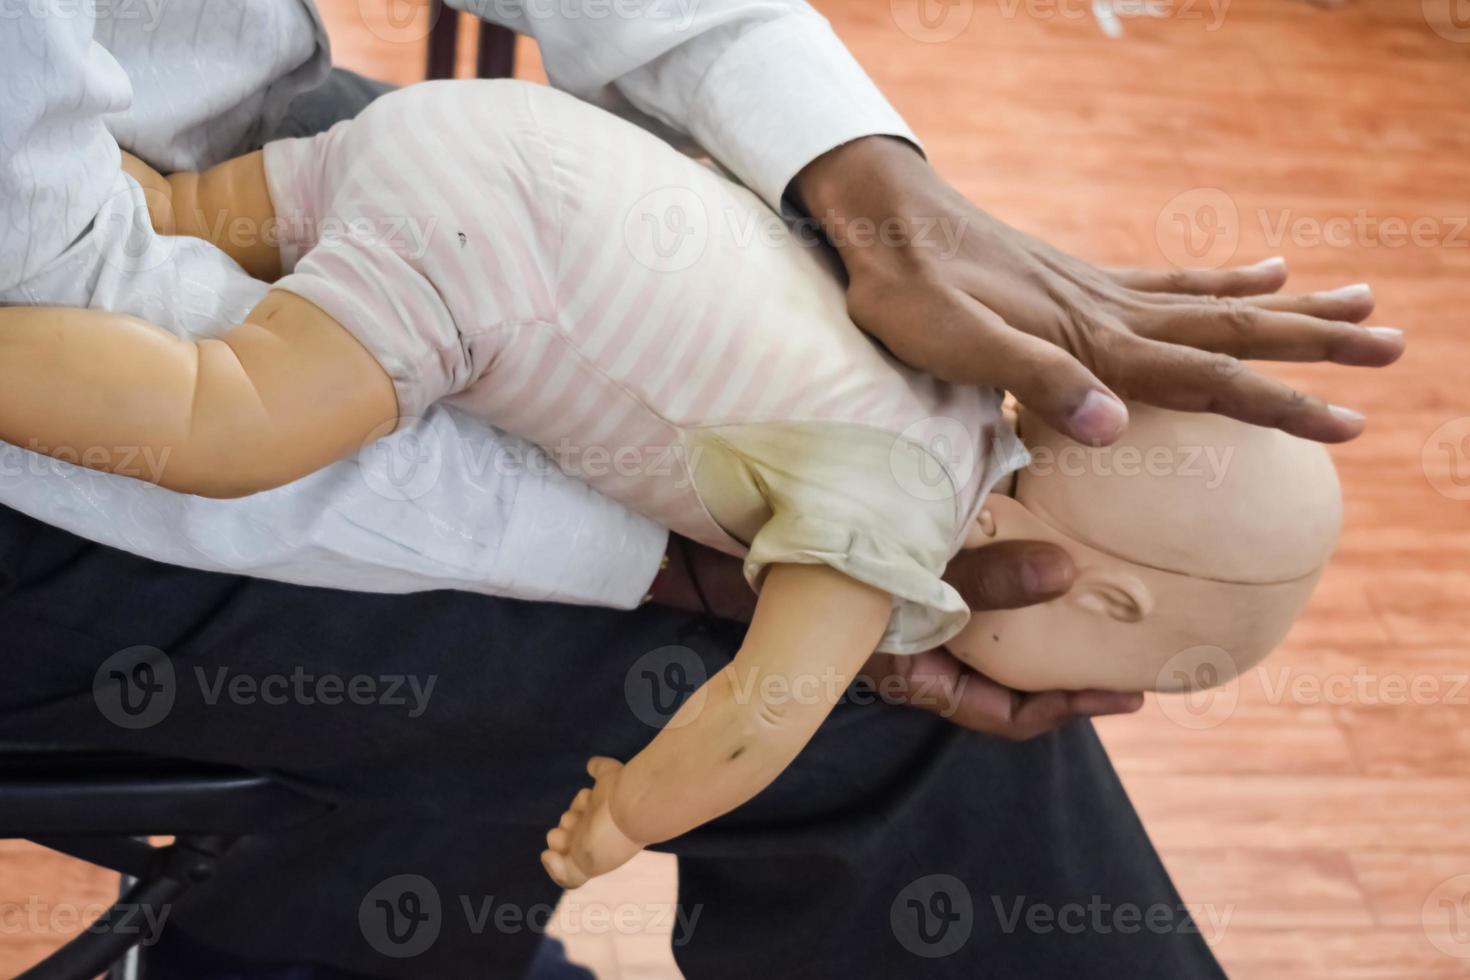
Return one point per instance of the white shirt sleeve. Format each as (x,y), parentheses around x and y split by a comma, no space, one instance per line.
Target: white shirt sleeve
(762,86)
(447,503)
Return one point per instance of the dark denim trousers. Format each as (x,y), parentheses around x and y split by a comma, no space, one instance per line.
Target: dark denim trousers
(450,730)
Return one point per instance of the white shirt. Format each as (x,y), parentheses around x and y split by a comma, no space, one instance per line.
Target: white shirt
(449,502)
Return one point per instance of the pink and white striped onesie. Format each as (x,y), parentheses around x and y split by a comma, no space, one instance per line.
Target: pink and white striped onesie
(652,325)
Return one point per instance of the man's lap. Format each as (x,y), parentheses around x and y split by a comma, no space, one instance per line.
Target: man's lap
(456,783)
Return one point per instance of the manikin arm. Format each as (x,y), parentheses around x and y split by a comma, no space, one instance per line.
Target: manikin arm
(228,205)
(277,397)
(812,631)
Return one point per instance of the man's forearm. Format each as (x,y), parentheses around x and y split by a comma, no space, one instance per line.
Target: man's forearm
(697,578)
(722,74)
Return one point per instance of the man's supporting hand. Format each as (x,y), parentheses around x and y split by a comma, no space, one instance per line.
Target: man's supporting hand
(1005,575)
(955,292)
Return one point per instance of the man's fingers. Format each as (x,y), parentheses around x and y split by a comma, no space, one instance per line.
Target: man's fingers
(936,682)
(1037,714)
(1350,303)
(1010,574)
(1250,280)
(1096,704)
(1243,329)
(1189,380)
(1043,377)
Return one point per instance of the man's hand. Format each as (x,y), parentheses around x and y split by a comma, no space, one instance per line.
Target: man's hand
(998,576)
(955,292)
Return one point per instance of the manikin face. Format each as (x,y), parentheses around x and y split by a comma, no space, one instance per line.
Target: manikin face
(1186,575)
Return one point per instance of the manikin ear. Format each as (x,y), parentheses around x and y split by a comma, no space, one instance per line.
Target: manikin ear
(1116,595)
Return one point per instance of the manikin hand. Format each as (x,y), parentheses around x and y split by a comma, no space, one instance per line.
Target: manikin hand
(586,842)
(1063,336)
(997,576)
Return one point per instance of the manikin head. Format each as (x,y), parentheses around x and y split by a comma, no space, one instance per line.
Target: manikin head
(1197,541)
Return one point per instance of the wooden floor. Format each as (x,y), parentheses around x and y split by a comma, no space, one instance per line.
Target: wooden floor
(1317,816)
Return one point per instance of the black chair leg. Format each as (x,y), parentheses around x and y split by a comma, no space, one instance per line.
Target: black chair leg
(129,966)
(101,807)
(181,865)
(443,40)
(497,55)
(107,939)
